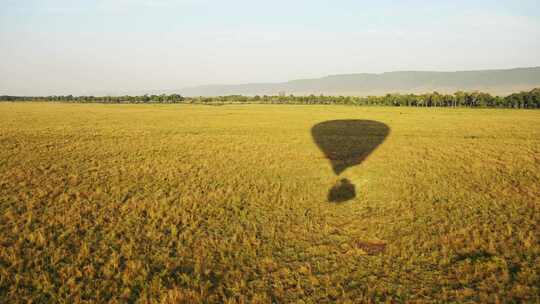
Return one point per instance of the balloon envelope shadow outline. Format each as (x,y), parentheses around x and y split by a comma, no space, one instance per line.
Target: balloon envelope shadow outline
(346,143)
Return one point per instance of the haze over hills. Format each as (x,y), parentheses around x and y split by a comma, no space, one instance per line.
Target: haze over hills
(497,82)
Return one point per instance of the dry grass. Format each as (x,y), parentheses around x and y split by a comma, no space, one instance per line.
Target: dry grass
(178,203)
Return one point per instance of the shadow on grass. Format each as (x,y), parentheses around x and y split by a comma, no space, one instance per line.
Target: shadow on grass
(347,143)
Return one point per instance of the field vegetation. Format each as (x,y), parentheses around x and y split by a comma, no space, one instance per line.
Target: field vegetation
(233,204)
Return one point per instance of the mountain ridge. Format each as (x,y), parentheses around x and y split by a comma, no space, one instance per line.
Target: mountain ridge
(494,81)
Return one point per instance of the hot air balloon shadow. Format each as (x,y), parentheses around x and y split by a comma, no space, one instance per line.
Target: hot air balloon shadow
(347,143)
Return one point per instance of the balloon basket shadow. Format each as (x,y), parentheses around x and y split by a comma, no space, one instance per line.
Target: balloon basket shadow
(342,191)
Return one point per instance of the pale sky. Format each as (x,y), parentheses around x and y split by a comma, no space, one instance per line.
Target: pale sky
(141,46)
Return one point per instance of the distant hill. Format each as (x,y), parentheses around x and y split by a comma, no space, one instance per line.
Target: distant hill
(497,82)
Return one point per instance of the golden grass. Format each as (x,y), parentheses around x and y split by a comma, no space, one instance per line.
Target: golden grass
(181,203)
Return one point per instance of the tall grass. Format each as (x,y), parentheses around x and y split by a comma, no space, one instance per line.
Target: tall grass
(180,203)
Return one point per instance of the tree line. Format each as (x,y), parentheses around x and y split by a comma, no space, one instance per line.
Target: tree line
(164,98)
(521,100)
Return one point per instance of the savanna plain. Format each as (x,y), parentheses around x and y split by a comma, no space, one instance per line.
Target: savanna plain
(229,204)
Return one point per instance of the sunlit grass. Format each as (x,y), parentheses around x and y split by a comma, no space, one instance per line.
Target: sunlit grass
(201,203)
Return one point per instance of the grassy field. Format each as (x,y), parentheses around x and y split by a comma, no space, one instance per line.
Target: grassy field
(180,203)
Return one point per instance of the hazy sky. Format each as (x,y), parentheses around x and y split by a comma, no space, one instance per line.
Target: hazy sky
(136,46)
